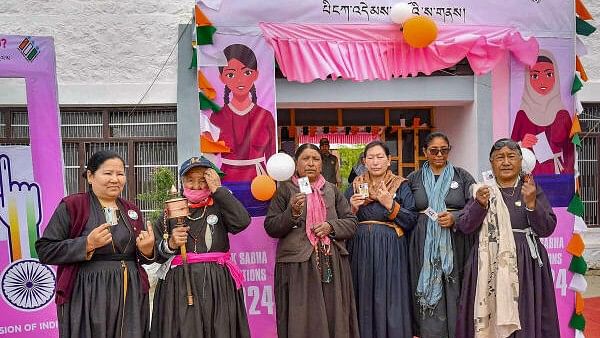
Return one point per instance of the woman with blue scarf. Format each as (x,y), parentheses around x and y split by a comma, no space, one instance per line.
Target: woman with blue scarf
(437,252)
(384,205)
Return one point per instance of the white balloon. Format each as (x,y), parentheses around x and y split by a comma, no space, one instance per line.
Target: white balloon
(401,12)
(281,166)
(529,160)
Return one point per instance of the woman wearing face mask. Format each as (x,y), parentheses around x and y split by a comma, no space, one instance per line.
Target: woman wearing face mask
(313,289)
(218,310)
(443,188)
(379,251)
(508,289)
(101,288)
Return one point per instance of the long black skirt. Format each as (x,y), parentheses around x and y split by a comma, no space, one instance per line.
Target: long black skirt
(537,302)
(308,308)
(380,274)
(441,321)
(96,308)
(218,310)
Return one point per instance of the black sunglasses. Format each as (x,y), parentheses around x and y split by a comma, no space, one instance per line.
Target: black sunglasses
(437,151)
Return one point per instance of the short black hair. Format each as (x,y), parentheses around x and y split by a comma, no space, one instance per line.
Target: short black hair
(505,142)
(98,158)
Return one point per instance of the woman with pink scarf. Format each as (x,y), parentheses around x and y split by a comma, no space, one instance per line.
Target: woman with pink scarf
(313,286)
(216,282)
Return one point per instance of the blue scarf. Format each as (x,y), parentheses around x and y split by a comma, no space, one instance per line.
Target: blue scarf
(438,255)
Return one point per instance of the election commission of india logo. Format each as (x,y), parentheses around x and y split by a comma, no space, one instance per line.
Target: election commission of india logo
(28,285)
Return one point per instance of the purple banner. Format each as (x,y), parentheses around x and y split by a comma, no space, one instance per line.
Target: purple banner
(242,71)
(541,107)
(26,202)
(254,252)
(559,261)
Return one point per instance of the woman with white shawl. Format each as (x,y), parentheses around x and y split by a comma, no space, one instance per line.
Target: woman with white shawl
(507,288)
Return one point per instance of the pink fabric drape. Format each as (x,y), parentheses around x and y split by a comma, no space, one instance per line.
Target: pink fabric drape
(359,52)
(221,258)
(339,138)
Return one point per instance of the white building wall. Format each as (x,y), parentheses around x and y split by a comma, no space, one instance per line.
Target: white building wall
(109,51)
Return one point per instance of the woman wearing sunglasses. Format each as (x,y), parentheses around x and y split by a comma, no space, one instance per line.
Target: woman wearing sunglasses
(437,252)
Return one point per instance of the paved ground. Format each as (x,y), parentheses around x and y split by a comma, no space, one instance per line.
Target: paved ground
(592,304)
(593,279)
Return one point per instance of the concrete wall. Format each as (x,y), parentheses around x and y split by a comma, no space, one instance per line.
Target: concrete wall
(109,51)
(452,121)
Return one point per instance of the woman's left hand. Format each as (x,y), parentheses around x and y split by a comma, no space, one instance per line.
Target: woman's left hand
(529,192)
(212,179)
(384,197)
(145,241)
(323,230)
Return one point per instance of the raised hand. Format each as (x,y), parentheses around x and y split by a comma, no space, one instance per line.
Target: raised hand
(99,237)
(20,210)
(356,201)
(483,196)
(212,179)
(384,197)
(529,192)
(297,203)
(145,241)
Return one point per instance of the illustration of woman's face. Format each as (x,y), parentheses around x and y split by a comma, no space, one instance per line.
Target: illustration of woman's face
(238,77)
(541,77)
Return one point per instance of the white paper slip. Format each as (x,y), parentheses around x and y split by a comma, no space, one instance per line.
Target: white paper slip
(431,214)
(542,149)
(363,189)
(304,185)
(488,177)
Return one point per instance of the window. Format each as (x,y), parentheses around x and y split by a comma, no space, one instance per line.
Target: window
(145,137)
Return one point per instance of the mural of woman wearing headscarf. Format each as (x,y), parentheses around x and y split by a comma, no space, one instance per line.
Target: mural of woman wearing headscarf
(246,128)
(543,112)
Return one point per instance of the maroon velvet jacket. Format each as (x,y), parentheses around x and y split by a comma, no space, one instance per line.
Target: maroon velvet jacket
(78,207)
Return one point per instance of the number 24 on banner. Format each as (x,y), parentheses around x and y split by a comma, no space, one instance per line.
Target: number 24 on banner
(254,296)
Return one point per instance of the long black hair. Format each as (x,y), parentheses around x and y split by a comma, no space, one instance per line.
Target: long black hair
(246,56)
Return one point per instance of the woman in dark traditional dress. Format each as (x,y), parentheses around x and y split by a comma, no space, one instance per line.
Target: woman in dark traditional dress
(437,251)
(313,289)
(101,289)
(218,309)
(507,288)
(379,250)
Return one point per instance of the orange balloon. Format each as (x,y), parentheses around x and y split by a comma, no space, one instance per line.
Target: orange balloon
(262,187)
(419,31)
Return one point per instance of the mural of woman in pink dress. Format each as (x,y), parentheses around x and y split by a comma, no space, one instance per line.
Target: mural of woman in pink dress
(247,128)
(542,111)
